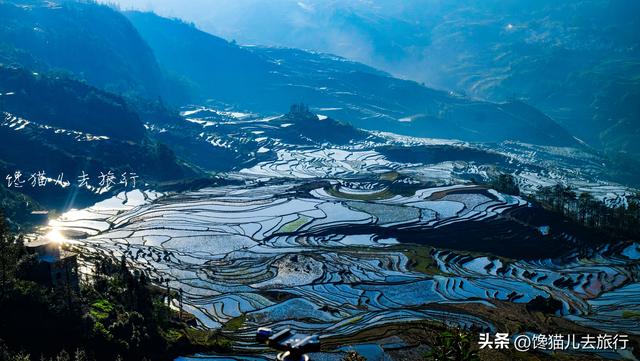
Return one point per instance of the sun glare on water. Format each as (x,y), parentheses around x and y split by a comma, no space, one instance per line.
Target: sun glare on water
(56,236)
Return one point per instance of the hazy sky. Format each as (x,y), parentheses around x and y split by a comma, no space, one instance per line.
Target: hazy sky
(243,20)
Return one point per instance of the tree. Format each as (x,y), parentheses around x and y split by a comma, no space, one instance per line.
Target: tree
(569,198)
(506,183)
(452,346)
(11,249)
(619,222)
(585,204)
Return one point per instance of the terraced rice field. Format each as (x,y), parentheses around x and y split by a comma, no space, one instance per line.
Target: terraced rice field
(322,261)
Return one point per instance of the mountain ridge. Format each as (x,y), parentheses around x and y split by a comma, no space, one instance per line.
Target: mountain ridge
(356,93)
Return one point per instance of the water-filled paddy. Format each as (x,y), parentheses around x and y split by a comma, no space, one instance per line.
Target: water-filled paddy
(339,264)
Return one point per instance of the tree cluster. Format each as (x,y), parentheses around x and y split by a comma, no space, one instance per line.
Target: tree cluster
(622,221)
(619,222)
(116,315)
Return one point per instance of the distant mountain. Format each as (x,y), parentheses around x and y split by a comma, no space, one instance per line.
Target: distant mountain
(153,57)
(94,43)
(269,79)
(149,53)
(576,60)
(213,67)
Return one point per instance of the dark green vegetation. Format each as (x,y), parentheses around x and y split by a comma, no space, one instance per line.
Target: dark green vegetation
(618,222)
(430,154)
(580,208)
(117,314)
(421,260)
(454,345)
(505,183)
(18,207)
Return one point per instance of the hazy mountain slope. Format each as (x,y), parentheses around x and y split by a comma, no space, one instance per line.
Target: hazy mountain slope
(214,68)
(59,125)
(576,60)
(94,42)
(269,79)
(65,103)
(98,44)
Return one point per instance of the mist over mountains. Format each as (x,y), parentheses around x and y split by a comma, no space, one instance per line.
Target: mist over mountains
(577,60)
(120,77)
(157,58)
(333,177)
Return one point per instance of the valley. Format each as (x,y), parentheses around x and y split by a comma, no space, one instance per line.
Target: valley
(325,235)
(288,188)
